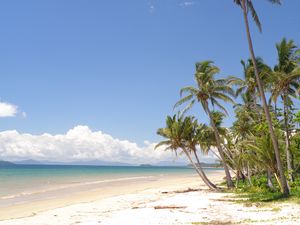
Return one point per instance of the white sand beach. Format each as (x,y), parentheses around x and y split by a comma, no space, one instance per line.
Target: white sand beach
(164,201)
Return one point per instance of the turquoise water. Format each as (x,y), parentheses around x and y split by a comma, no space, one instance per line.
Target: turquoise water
(29,181)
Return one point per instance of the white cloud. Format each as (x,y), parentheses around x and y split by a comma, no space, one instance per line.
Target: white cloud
(8,110)
(79,143)
(151,6)
(24,114)
(187,3)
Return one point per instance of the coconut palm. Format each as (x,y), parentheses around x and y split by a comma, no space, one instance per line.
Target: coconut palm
(263,157)
(207,139)
(286,84)
(247,6)
(242,128)
(247,87)
(248,83)
(208,92)
(182,133)
(193,140)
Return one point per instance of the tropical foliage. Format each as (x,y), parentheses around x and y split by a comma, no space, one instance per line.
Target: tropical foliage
(264,139)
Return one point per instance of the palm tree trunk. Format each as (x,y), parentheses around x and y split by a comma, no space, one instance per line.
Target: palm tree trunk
(287,138)
(237,178)
(249,174)
(221,160)
(200,173)
(217,136)
(227,154)
(283,182)
(269,179)
(203,174)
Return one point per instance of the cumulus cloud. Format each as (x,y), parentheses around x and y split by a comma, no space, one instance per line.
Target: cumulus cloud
(8,110)
(79,143)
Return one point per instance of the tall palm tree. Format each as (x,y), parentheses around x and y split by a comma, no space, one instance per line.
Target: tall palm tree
(247,6)
(182,133)
(209,90)
(286,84)
(248,84)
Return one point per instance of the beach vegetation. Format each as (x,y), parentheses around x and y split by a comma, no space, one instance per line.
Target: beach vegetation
(262,146)
(208,92)
(184,133)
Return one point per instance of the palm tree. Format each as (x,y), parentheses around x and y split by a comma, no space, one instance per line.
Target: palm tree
(209,90)
(193,140)
(242,128)
(182,134)
(248,84)
(286,85)
(207,139)
(261,145)
(247,87)
(247,6)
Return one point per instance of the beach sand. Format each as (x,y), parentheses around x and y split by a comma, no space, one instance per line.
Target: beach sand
(160,201)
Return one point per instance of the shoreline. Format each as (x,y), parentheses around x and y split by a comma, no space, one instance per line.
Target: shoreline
(169,200)
(94,193)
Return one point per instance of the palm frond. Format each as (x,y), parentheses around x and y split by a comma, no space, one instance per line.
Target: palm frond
(188,107)
(189,89)
(254,15)
(162,143)
(183,100)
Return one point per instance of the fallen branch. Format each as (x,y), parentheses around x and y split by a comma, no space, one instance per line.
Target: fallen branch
(183,191)
(169,207)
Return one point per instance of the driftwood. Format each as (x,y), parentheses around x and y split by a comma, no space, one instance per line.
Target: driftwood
(169,207)
(182,191)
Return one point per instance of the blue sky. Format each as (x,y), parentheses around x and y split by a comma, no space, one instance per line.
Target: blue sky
(117,66)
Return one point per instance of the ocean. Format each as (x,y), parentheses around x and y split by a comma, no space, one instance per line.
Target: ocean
(21,183)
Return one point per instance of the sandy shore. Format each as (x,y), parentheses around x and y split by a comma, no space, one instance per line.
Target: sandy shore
(163,201)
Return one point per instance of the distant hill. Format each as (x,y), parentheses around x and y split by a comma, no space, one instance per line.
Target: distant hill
(170,163)
(105,163)
(145,165)
(6,163)
(74,163)
(28,162)
(98,163)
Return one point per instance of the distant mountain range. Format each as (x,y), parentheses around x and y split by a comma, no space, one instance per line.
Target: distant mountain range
(79,163)
(95,163)
(99,163)
(6,163)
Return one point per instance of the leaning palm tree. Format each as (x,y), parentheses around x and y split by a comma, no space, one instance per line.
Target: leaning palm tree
(193,141)
(181,133)
(209,90)
(247,6)
(286,84)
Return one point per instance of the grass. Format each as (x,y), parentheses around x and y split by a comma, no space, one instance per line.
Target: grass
(282,219)
(260,195)
(260,192)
